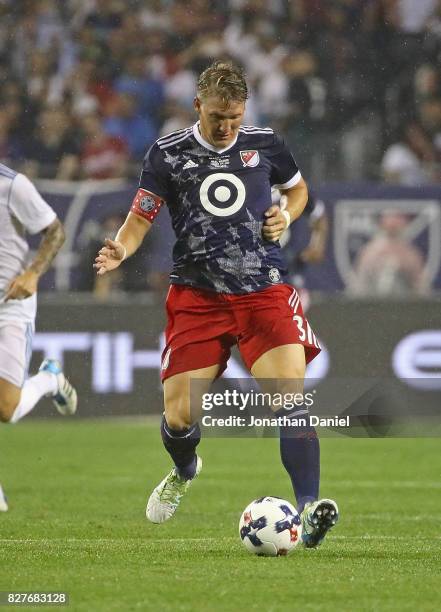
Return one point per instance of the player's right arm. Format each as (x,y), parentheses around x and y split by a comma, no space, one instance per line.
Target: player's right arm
(146,205)
(128,240)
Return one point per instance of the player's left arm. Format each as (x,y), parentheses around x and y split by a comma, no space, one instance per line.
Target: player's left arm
(24,285)
(277,218)
(314,252)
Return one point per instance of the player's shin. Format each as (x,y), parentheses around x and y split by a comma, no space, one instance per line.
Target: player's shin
(300,454)
(181,445)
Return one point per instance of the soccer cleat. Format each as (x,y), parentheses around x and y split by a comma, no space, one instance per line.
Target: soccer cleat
(3,501)
(166,497)
(65,399)
(317,519)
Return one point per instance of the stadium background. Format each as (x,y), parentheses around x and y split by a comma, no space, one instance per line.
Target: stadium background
(354,87)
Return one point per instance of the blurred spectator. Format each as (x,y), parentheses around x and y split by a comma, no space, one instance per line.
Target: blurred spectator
(389,265)
(11,149)
(105,16)
(102,156)
(124,123)
(135,276)
(430,119)
(52,151)
(148,92)
(176,118)
(412,159)
(412,16)
(86,88)
(337,77)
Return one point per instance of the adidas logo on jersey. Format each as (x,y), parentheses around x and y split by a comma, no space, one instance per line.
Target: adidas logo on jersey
(189,164)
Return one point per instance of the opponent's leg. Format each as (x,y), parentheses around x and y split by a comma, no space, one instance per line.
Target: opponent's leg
(180,435)
(3,501)
(16,402)
(19,395)
(299,448)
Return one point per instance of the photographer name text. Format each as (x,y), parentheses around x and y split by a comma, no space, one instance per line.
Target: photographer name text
(280,421)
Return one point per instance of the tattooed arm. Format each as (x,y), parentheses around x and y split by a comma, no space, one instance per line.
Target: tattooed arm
(25,285)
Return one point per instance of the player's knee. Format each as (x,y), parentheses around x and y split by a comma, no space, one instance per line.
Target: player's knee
(177,413)
(177,421)
(294,372)
(7,408)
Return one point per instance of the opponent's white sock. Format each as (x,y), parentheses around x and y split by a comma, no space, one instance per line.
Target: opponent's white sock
(32,391)
(3,502)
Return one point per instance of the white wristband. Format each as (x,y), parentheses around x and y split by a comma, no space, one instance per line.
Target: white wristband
(287,216)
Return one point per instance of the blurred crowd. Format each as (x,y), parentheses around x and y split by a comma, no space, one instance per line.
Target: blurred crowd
(354,85)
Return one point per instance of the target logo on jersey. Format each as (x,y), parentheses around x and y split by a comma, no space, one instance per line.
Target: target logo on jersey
(222,194)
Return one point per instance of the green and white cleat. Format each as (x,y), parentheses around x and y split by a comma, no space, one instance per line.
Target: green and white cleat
(165,499)
(65,399)
(3,501)
(317,519)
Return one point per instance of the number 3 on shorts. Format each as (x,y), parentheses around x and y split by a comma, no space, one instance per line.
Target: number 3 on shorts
(299,321)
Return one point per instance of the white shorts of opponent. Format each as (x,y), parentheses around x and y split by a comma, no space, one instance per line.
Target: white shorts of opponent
(15,350)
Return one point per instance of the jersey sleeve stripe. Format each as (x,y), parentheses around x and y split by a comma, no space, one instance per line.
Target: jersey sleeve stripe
(175,141)
(291,183)
(256,127)
(7,172)
(172,135)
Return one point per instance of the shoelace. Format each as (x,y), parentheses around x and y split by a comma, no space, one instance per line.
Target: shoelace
(67,387)
(169,494)
(307,521)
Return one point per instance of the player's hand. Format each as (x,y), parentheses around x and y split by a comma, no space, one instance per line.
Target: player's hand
(313,254)
(275,223)
(109,256)
(22,286)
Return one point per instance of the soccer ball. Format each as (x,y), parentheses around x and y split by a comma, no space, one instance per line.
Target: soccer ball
(270,526)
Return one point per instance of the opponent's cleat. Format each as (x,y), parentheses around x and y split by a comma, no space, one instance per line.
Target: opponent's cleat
(65,399)
(166,497)
(3,501)
(317,519)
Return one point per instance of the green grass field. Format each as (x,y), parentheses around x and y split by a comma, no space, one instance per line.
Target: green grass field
(77,492)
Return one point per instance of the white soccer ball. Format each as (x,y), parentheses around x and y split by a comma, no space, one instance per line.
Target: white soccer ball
(270,526)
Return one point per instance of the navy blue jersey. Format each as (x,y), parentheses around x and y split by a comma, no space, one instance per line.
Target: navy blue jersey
(217,199)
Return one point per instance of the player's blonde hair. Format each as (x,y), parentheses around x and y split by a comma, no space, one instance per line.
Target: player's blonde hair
(224,80)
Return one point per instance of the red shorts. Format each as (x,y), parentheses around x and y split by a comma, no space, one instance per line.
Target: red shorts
(202,326)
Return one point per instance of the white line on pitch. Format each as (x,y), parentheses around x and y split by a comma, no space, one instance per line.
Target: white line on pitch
(407,484)
(184,540)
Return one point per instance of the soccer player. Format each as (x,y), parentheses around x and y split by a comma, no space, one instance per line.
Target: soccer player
(22,210)
(227,282)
